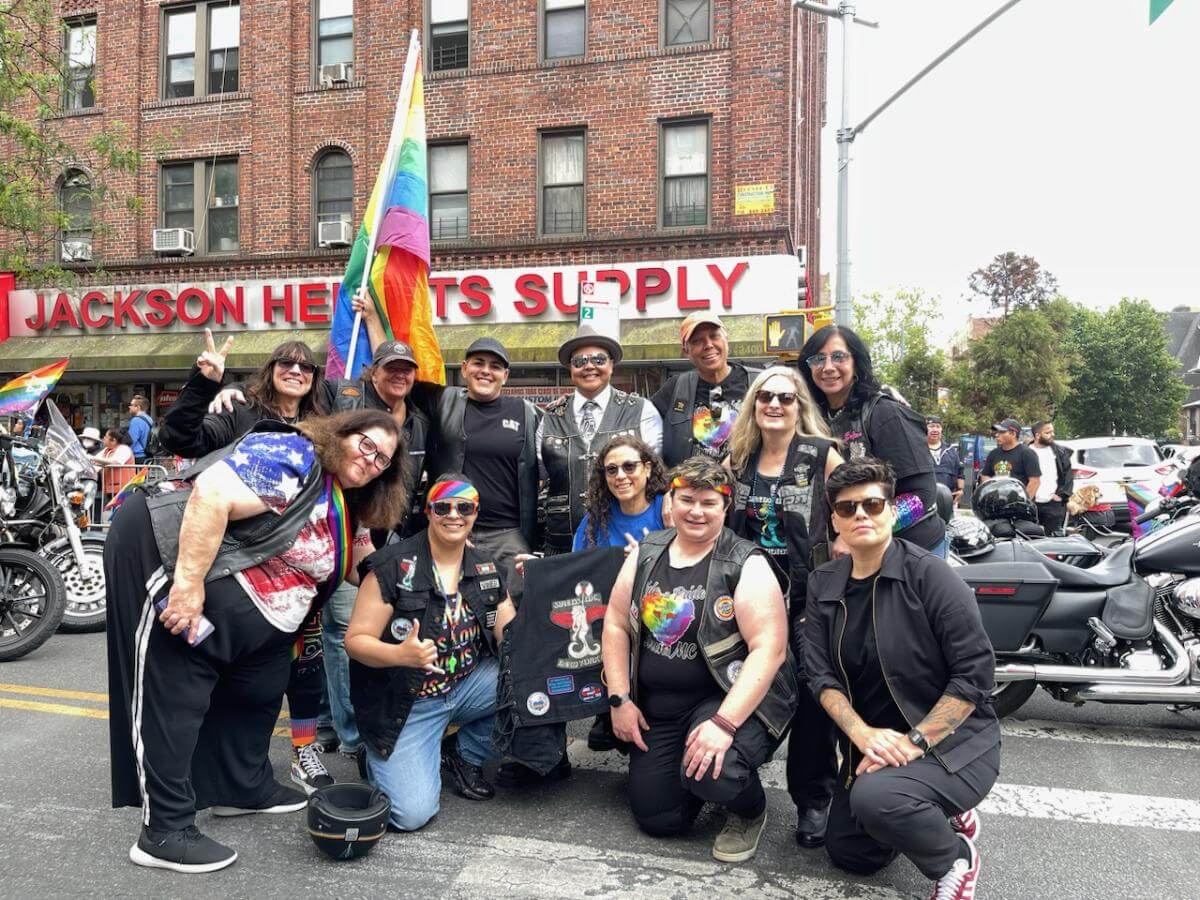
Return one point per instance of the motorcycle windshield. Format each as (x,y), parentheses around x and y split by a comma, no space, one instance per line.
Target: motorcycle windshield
(62,447)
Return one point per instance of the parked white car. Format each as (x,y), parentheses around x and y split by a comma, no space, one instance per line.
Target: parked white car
(1113,462)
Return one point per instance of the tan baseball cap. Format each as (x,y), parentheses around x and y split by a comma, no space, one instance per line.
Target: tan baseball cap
(694,321)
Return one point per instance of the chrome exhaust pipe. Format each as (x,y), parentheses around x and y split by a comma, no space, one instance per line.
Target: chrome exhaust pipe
(1138,693)
(1098,677)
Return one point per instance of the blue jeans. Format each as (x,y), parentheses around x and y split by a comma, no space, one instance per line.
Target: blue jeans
(412,776)
(337,665)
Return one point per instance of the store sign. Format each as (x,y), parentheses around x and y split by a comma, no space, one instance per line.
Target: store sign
(649,290)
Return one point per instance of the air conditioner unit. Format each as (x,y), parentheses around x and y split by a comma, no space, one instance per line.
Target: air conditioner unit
(336,73)
(334,234)
(174,241)
(76,251)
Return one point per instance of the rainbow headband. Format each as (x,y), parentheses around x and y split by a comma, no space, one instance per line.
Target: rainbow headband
(444,490)
(680,482)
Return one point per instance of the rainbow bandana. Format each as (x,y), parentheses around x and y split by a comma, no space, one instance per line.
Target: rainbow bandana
(446,490)
(680,482)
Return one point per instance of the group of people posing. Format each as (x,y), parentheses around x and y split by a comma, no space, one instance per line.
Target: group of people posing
(363,540)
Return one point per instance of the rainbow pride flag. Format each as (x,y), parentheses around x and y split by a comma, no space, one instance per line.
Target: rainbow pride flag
(119,497)
(26,391)
(399,268)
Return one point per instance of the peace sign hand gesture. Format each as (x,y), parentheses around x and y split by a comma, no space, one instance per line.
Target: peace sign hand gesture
(212,361)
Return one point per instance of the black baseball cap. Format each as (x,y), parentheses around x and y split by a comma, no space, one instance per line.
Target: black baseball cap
(1008,425)
(488,345)
(391,351)
(933,420)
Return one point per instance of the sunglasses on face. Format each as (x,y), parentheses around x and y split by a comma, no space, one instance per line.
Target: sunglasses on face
(582,359)
(286,365)
(837,357)
(443,508)
(847,509)
(785,398)
(628,467)
(368,447)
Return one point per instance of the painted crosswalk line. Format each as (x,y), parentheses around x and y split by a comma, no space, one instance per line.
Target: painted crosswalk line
(1157,738)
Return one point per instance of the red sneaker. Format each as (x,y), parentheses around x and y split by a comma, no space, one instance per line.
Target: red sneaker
(959,883)
(967,824)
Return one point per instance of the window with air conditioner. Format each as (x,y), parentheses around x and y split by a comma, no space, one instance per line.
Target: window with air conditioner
(448,208)
(562,182)
(449,34)
(333,41)
(684,161)
(202,196)
(75,200)
(79,90)
(333,195)
(564,28)
(201,50)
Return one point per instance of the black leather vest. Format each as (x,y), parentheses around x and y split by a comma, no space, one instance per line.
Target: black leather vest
(678,443)
(721,644)
(383,698)
(568,459)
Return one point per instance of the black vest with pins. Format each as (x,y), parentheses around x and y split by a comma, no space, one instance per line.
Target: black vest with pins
(678,441)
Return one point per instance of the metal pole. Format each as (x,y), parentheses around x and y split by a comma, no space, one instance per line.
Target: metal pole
(844,311)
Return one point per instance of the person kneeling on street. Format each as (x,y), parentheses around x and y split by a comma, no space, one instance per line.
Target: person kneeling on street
(423,655)
(898,657)
(698,612)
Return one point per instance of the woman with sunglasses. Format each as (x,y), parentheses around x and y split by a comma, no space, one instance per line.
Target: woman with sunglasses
(208,589)
(626,496)
(286,388)
(898,657)
(780,454)
(869,421)
(423,642)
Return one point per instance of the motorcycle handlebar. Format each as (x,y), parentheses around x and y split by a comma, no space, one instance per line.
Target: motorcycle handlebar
(1147,516)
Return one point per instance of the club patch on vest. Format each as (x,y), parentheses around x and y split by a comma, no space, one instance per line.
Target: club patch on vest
(409,568)
(576,614)
(490,584)
(401,629)
(538,704)
(351,392)
(560,684)
(723,608)
(680,405)
(486,568)
(489,619)
(590,693)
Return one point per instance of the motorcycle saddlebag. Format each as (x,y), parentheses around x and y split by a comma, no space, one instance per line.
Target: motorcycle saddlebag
(1011,598)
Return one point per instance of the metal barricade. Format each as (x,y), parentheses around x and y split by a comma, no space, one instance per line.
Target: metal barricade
(114,479)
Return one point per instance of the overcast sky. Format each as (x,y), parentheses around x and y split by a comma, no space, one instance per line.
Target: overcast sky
(1068,130)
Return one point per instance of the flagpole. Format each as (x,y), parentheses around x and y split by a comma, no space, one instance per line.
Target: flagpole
(402,104)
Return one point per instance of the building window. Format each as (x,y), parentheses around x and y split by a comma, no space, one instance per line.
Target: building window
(75,198)
(684,174)
(564,29)
(79,90)
(335,34)
(210,32)
(562,180)
(334,189)
(210,186)
(449,35)
(448,210)
(686,22)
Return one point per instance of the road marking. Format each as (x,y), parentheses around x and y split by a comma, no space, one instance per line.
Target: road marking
(32,691)
(1157,738)
(59,708)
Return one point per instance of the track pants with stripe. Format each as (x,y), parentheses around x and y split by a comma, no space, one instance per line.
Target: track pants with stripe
(189,727)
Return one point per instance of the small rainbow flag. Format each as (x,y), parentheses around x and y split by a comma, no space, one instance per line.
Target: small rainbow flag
(119,497)
(26,391)
(399,269)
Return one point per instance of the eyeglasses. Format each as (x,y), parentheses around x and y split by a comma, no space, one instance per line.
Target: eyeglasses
(628,467)
(368,447)
(283,364)
(847,509)
(837,357)
(785,398)
(443,508)
(582,359)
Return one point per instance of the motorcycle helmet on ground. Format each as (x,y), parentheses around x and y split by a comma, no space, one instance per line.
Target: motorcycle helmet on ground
(346,820)
(969,536)
(1003,498)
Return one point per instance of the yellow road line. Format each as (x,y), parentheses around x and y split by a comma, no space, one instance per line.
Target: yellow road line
(53,692)
(61,708)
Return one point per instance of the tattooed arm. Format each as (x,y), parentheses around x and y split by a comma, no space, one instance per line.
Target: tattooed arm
(879,747)
(945,717)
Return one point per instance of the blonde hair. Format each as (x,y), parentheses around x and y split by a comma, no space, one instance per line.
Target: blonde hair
(746,438)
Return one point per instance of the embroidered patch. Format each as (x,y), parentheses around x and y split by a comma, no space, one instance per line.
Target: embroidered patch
(680,405)
(351,392)
(733,670)
(590,693)
(724,608)
(489,619)
(560,684)
(486,568)
(401,629)
(538,703)
(490,584)
(576,614)
(409,568)
(511,424)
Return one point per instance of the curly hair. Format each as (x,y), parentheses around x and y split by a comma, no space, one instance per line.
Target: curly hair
(260,387)
(865,383)
(380,503)
(599,499)
(746,437)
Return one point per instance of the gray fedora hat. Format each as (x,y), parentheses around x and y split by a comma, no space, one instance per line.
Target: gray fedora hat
(584,336)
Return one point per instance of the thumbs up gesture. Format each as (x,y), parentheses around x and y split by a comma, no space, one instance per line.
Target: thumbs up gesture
(418,654)
(212,361)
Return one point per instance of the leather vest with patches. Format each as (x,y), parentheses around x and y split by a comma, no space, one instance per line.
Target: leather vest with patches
(568,458)
(678,441)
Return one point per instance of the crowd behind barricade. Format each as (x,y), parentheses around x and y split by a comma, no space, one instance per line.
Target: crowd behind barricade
(363,543)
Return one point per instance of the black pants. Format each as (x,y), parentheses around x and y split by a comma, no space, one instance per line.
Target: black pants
(189,727)
(812,754)
(1052,515)
(905,809)
(665,801)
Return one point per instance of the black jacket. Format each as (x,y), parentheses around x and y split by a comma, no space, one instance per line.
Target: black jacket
(1066,475)
(930,640)
(191,431)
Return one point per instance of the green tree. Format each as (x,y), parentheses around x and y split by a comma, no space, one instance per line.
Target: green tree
(1012,282)
(35,149)
(897,331)
(1123,379)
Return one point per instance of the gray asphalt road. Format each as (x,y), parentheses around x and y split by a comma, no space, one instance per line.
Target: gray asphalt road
(1093,802)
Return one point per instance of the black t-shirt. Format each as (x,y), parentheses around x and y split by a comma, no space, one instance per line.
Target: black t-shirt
(714,411)
(672,675)
(495,439)
(900,441)
(869,691)
(764,525)
(1020,463)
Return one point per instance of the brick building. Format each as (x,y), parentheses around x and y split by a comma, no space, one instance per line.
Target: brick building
(671,146)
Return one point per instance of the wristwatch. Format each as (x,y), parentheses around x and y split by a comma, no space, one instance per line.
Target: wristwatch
(615,700)
(919,740)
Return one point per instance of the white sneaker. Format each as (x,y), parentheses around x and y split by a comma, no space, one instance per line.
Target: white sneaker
(307,769)
(959,882)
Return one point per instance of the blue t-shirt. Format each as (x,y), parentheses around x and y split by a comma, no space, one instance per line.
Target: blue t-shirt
(620,524)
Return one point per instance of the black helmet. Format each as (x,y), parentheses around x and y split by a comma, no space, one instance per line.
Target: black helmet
(969,536)
(345,820)
(1003,498)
